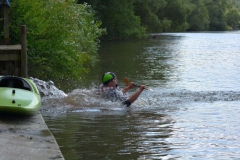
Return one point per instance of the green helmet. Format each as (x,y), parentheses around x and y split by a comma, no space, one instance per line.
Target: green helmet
(107,77)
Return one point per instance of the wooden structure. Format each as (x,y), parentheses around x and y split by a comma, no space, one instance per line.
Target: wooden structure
(13,58)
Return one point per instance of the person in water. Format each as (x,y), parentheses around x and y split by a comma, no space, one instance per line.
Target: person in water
(111,91)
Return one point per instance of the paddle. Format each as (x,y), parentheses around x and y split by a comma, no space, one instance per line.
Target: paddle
(127,82)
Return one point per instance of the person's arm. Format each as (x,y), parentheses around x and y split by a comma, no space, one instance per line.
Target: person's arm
(135,95)
(128,87)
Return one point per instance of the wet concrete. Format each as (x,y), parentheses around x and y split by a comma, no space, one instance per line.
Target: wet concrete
(27,138)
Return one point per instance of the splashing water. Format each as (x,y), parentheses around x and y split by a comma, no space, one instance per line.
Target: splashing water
(48,89)
(55,101)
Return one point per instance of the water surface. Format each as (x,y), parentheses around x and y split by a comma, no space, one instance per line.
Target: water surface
(193,112)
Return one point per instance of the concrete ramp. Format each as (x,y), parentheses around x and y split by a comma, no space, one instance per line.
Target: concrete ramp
(27,138)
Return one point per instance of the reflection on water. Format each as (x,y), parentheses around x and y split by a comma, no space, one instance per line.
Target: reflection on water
(207,131)
(113,134)
(193,112)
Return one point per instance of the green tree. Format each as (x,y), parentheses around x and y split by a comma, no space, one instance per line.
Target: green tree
(176,12)
(233,17)
(198,20)
(62,37)
(118,18)
(147,10)
(166,24)
(217,16)
(235,3)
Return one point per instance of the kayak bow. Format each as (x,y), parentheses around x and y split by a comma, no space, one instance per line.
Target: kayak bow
(19,96)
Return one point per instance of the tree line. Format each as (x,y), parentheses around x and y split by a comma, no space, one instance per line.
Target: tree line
(125,19)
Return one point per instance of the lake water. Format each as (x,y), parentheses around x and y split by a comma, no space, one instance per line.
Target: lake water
(193,112)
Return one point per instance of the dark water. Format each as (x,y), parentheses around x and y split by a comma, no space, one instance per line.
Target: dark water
(193,112)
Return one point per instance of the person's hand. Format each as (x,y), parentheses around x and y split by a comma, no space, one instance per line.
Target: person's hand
(131,85)
(142,87)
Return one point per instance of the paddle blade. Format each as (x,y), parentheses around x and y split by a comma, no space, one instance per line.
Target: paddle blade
(126,81)
(149,89)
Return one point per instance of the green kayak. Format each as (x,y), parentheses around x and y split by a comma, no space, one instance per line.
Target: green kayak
(19,96)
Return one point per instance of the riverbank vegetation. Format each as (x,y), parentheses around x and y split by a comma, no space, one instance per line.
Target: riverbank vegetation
(121,17)
(64,35)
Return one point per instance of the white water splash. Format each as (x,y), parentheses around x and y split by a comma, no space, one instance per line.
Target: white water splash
(87,100)
(48,89)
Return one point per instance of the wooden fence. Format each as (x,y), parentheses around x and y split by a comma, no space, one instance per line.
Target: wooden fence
(13,58)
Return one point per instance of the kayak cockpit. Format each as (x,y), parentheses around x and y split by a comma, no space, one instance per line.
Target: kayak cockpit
(14,82)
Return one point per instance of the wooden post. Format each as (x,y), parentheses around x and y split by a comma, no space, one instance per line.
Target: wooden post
(23,52)
(6,25)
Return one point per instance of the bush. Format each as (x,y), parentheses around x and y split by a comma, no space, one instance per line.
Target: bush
(62,37)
